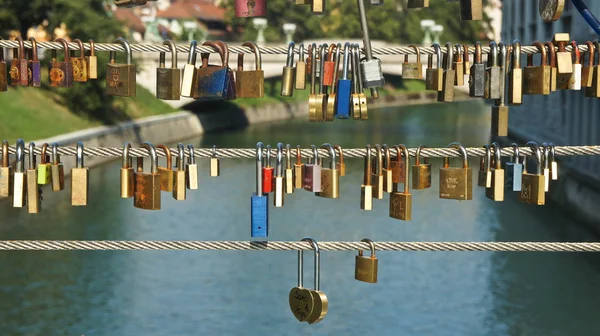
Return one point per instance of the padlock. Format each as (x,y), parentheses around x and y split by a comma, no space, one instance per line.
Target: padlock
(267,173)
(19,180)
(546,165)
(340,165)
(34,65)
(366,189)
(278,178)
(230,93)
(515,76)
(532,184)
(356,101)
(317,6)
(564,61)
(456,183)
(79,64)
(211,80)
(434,77)
(18,66)
(312,173)
(496,190)
(421,172)
(127,178)
(500,110)
(191,169)
(397,166)
(92,61)
(401,202)
(189,72)
(371,71)
(477,78)
(168,79)
(34,195)
(330,177)
(447,92)
(328,66)
(536,79)
(250,83)
(61,73)
(6,173)
(215,164)
(362,99)
(120,78)
(321,98)
(484,178)
(250,8)
(514,170)
(309,58)
(298,170)
(147,185)
(365,268)
(332,96)
(587,71)
(289,172)
(166,173)
(466,61)
(492,75)
(594,89)
(57,169)
(471,10)
(80,180)
(179,178)
(3,72)
(553,163)
(553,68)
(412,70)
(575,81)
(388,183)
(300,75)
(458,67)
(417,4)
(44,173)
(259,202)
(312,98)
(377,175)
(287,77)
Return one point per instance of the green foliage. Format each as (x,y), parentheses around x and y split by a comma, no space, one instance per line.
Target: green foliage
(391,22)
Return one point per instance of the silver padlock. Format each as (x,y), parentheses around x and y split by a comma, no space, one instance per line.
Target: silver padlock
(370,67)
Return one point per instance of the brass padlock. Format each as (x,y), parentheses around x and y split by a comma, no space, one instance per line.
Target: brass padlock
(289,172)
(179,179)
(434,77)
(18,66)
(168,80)
(147,185)
(189,72)
(492,75)
(365,268)
(536,79)
(287,76)
(80,180)
(250,83)
(19,179)
(301,70)
(401,202)
(388,181)
(79,64)
(496,190)
(484,178)
(447,92)
(532,184)
(92,62)
(471,10)
(215,165)
(456,183)
(34,195)
(356,96)
(459,67)
(166,173)
(340,165)
(362,99)
(594,89)
(298,169)
(377,175)
(366,189)
(515,76)
(121,78)
(61,73)
(321,97)
(58,170)
(564,61)
(330,111)
(553,68)
(587,71)
(192,170)
(34,65)
(6,173)
(127,179)
(412,70)
(312,98)
(330,177)
(421,172)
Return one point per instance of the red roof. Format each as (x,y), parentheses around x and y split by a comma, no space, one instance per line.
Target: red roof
(130,19)
(193,9)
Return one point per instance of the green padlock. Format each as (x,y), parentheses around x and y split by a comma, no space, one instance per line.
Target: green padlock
(44,168)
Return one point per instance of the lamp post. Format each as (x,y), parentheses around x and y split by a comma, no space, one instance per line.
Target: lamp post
(260,24)
(289,29)
(426,26)
(436,31)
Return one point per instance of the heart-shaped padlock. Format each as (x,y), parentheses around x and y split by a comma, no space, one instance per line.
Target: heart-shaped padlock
(301,303)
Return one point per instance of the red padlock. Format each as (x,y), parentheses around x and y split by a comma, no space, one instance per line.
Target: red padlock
(267,173)
(329,67)
(250,8)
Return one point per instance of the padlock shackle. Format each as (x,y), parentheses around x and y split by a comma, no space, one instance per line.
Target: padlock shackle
(127,46)
(462,150)
(268,156)
(81,48)
(516,153)
(289,61)
(371,246)
(438,52)
(79,157)
(330,52)
(356,52)
(346,64)
(180,157)
(322,54)
(288,156)
(542,51)
(32,155)
(597,47)
(331,154)
(417,52)
(493,55)
(552,151)
(406,166)
(301,52)
(167,152)
(485,161)
(162,55)
(516,54)
(538,155)
(259,168)
(298,155)
(545,155)
(65,48)
(279,162)
(367,174)
(552,53)
(21,49)
(153,158)
(466,52)
(192,157)
(338,52)
(478,53)
(92,47)
(418,156)
(43,155)
(1,52)
(459,56)
(317,263)
(257,57)
(340,153)
(315,154)
(192,54)
(20,153)
(497,155)
(34,52)
(503,54)
(312,49)
(218,48)
(127,160)
(576,53)
(4,153)
(379,154)
(387,162)
(225,52)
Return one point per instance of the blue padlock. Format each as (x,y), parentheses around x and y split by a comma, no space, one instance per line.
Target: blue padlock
(344,88)
(259,203)
(212,82)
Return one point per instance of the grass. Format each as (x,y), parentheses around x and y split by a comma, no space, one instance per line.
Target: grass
(33,113)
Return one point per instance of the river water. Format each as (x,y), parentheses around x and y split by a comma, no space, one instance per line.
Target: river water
(245,293)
